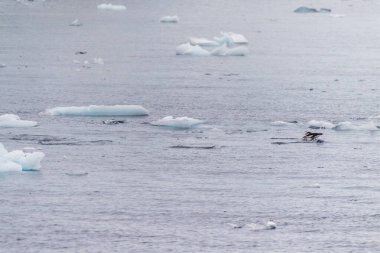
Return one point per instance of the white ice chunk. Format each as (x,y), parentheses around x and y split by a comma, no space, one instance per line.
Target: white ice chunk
(12,120)
(270,225)
(188,49)
(180,122)
(320,124)
(280,123)
(18,160)
(230,38)
(99,110)
(226,51)
(99,61)
(203,42)
(347,126)
(169,19)
(76,22)
(111,7)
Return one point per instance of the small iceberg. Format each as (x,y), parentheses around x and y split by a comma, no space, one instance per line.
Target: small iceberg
(98,110)
(226,51)
(203,42)
(76,22)
(3,65)
(231,38)
(188,49)
(304,9)
(180,122)
(12,120)
(169,19)
(111,7)
(18,160)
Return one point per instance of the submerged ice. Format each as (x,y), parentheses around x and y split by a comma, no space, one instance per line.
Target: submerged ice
(188,49)
(99,110)
(169,19)
(12,120)
(18,160)
(180,122)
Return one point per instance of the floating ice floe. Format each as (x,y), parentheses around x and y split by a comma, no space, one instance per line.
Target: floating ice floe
(270,225)
(304,9)
(231,38)
(99,61)
(337,15)
(99,110)
(180,122)
(2,65)
(348,126)
(283,123)
(227,45)
(76,22)
(19,160)
(227,51)
(188,49)
(111,7)
(169,19)
(12,120)
(203,42)
(316,124)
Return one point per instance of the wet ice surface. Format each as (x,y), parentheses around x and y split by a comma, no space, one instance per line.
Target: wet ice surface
(123,188)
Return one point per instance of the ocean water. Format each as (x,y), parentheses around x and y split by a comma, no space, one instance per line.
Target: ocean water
(129,188)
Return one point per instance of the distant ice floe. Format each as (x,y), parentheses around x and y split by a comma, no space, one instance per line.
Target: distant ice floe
(99,61)
(98,110)
(304,9)
(203,42)
(169,19)
(188,49)
(111,7)
(12,120)
(180,122)
(337,15)
(254,226)
(320,124)
(76,22)
(230,39)
(348,126)
(18,160)
(283,123)
(226,51)
(2,65)
(229,44)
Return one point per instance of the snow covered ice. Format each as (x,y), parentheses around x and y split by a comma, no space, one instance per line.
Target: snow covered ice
(99,110)
(169,19)
(112,7)
(203,42)
(226,51)
(18,160)
(180,122)
(188,49)
(12,120)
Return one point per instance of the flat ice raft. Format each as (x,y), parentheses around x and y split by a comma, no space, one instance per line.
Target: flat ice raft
(19,160)
(180,122)
(12,120)
(112,7)
(99,110)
